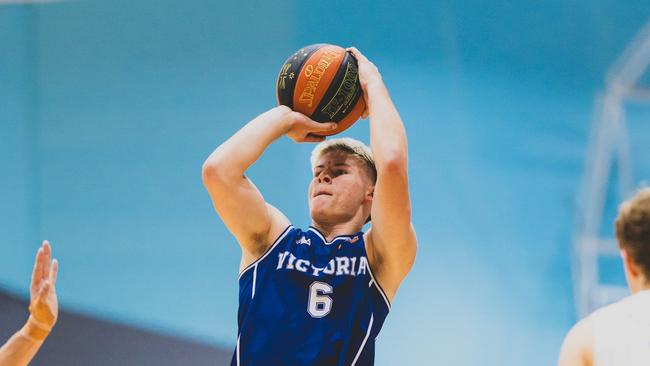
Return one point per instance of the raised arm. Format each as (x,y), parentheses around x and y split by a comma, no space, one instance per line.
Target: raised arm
(392,241)
(252,221)
(44,309)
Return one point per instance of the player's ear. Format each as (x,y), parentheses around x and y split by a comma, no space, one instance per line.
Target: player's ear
(371,192)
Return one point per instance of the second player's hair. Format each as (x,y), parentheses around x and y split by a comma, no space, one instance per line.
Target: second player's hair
(633,229)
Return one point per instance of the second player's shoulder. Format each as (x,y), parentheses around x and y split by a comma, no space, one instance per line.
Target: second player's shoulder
(577,348)
(583,330)
(612,313)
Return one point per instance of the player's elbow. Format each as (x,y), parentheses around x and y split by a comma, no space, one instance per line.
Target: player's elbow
(213,172)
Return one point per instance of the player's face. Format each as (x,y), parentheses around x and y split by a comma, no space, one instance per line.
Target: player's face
(339,188)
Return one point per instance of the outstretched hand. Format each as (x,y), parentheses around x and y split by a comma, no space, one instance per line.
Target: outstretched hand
(43,305)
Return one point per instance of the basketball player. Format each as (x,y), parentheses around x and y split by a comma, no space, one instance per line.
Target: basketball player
(318,296)
(43,308)
(619,334)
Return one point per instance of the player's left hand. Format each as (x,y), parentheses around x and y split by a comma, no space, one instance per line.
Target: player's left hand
(44,305)
(369,75)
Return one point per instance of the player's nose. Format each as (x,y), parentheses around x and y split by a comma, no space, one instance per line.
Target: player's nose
(324,177)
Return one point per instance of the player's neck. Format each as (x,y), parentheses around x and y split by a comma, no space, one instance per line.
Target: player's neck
(332,230)
(639,284)
(645,286)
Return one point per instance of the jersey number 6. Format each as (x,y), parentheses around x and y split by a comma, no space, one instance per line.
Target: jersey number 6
(319,303)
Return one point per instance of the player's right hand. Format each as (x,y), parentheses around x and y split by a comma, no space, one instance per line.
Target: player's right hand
(44,305)
(301,128)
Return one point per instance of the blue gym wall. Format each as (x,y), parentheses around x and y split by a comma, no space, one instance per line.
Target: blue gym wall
(108,109)
(17,164)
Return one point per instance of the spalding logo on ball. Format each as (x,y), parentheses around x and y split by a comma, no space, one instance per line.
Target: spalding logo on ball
(322,81)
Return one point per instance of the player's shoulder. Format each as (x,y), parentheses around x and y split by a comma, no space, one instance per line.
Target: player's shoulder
(583,329)
(577,348)
(283,232)
(613,310)
(409,238)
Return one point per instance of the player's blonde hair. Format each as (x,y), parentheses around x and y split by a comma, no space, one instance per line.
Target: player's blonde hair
(633,229)
(356,148)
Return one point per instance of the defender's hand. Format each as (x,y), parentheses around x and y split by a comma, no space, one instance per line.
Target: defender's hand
(303,129)
(369,75)
(44,306)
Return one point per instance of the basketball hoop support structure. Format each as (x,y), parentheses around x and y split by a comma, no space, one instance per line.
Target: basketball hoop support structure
(608,148)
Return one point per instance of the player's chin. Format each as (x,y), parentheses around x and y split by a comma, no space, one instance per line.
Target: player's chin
(319,210)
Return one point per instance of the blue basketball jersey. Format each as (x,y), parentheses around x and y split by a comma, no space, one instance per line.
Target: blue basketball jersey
(307,301)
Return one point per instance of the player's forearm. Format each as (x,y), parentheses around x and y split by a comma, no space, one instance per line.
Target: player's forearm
(22,346)
(387,134)
(239,152)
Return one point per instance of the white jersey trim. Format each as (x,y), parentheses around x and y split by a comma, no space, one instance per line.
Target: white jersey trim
(238,349)
(378,287)
(268,251)
(365,339)
(254,281)
(347,237)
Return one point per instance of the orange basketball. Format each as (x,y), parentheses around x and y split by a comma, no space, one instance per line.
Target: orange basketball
(322,81)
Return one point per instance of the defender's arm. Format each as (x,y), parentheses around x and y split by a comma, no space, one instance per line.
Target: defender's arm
(392,237)
(21,348)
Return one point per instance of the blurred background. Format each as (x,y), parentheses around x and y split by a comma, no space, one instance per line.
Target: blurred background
(528,122)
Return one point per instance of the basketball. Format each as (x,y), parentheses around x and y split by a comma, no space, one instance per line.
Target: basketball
(322,81)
